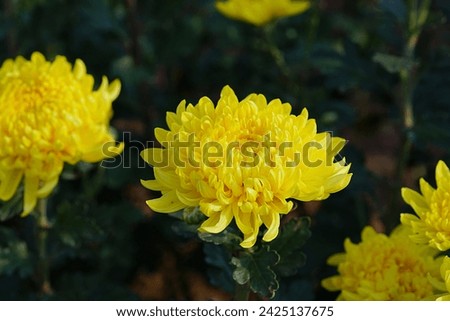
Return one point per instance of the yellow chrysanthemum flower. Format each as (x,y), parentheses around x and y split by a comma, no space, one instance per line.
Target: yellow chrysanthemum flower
(242,160)
(49,115)
(382,268)
(260,12)
(432,224)
(444,283)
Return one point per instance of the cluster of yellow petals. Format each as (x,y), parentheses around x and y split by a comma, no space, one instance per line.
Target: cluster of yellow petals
(251,184)
(261,12)
(384,268)
(431,224)
(49,115)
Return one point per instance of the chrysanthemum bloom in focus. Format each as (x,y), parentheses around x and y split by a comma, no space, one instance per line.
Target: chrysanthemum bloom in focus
(242,160)
(50,115)
(384,268)
(443,283)
(432,224)
(261,12)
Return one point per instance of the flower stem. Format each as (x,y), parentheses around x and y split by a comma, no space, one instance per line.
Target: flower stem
(417,17)
(241,292)
(280,61)
(43,261)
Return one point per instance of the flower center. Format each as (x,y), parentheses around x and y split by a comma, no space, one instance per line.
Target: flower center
(41,115)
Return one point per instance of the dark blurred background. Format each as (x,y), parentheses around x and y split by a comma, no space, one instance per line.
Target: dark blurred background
(342,62)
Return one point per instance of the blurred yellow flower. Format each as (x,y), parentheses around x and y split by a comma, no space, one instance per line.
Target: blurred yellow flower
(242,160)
(444,285)
(50,115)
(432,224)
(260,12)
(384,268)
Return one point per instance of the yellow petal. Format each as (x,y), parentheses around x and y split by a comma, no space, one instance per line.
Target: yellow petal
(173,121)
(45,190)
(114,89)
(336,259)
(30,194)
(210,208)
(167,203)
(437,284)
(243,221)
(415,200)
(249,239)
(368,233)
(108,150)
(332,283)
(206,190)
(37,57)
(407,219)
(8,185)
(444,298)
(190,198)
(157,157)
(442,175)
(272,222)
(217,222)
(152,184)
(79,69)
(426,190)
(161,136)
(167,178)
(181,107)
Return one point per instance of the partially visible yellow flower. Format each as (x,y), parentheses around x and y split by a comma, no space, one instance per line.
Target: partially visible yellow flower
(432,224)
(444,283)
(260,12)
(242,160)
(50,115)
(384,268)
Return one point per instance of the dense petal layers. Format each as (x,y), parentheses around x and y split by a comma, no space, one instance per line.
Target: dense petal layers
(431,224)
(382,268)
(50,115)
(260,12)
(242,160)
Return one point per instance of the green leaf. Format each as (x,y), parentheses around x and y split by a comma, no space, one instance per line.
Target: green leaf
(187,221)
(15,258)
(256,268)
(226,237)
(393,64)
(219,269)
(241,275)
(289,244)
(193,215)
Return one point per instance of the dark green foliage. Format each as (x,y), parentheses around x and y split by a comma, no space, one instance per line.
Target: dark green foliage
(256,269)
(289,245)
(261,269)
(14,255)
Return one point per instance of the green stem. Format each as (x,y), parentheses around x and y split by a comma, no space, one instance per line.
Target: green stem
(241,292)
(280,61)
(43,261)
(417,18)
